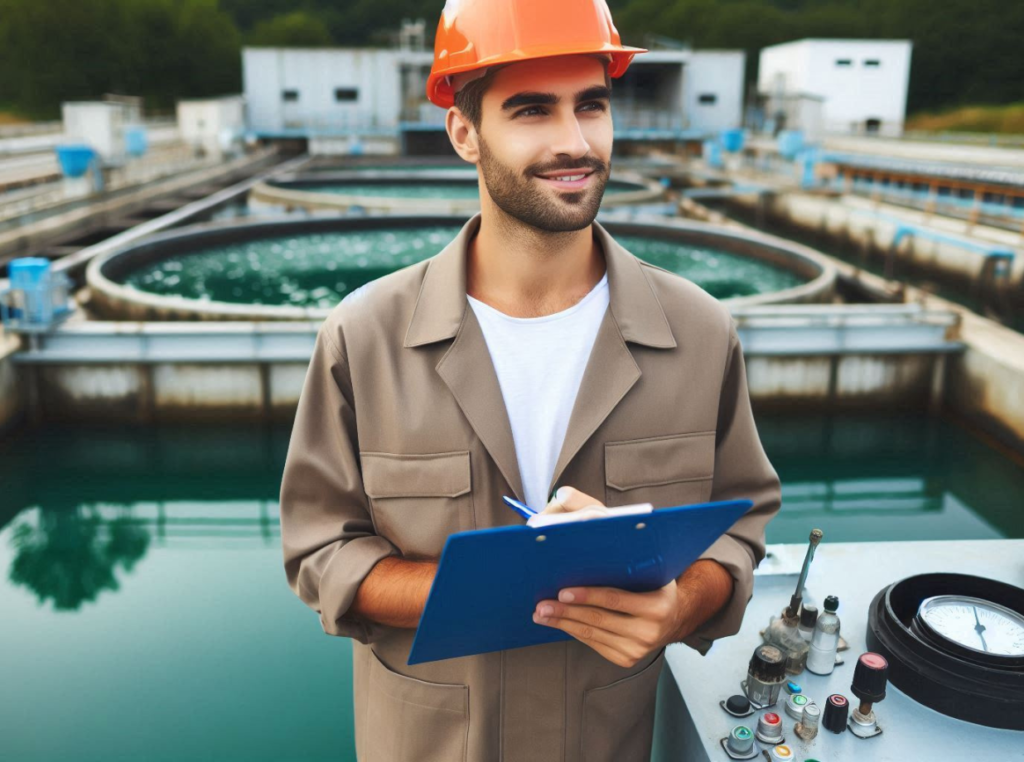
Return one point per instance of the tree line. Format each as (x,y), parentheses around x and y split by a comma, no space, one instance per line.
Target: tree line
(56,50)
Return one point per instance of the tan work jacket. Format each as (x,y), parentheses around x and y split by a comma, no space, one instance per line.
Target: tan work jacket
(401,437)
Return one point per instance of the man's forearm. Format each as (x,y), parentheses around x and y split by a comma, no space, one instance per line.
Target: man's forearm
(395,592)
(703,591)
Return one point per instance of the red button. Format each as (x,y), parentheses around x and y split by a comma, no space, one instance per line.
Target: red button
(875,661)
(771,718)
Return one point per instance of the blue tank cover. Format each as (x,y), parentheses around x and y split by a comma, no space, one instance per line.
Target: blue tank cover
(732,140)
(75,159)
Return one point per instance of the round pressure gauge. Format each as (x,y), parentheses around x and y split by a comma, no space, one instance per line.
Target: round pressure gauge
(972,627)
(954,643)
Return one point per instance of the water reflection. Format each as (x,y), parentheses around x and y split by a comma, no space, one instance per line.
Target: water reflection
(69,557)
(118,492)
(868,477)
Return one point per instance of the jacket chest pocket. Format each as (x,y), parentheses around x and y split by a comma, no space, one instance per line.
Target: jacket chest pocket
(418,500)
(663,471)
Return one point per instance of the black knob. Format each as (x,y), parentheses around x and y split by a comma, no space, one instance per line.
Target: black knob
(869,677)
(832,604)
(768,664)
(837,709)
(738,705)
(808,616)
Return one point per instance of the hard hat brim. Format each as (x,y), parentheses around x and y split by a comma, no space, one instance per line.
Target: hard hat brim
(440,93)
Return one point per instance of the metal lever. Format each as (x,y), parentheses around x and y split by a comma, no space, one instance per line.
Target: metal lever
(794,603)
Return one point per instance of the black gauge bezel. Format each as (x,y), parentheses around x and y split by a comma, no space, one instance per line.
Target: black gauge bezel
(923,628)
(935,676)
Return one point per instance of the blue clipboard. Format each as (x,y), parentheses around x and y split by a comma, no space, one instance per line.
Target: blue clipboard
(490,580)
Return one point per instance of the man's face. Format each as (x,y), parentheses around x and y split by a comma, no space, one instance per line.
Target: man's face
(546,141)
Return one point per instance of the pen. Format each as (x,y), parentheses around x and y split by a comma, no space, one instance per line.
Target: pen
(521,508)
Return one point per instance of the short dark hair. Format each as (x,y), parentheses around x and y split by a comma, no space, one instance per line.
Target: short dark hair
(470,98)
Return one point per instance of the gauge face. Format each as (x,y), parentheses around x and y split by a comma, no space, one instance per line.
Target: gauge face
(975,624)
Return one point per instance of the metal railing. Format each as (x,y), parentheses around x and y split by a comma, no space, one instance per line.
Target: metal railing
(774,330)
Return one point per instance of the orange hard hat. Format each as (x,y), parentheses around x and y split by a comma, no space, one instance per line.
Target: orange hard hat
(475,34)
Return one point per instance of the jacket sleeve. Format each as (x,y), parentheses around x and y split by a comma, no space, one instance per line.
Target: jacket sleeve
(327,533)
(742,471)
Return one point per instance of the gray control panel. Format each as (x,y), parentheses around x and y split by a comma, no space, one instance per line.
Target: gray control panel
(694,721)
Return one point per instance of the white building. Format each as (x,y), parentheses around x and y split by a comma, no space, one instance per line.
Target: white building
(863,83)
(213,126)
(338,96)
(713,88)
(102,125)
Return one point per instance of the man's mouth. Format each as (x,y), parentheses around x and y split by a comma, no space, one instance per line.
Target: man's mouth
(568,179)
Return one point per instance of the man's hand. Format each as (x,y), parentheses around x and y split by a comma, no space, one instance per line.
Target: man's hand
(621,626)
(625,627)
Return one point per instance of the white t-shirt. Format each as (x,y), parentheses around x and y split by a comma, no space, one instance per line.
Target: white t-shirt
(539,363)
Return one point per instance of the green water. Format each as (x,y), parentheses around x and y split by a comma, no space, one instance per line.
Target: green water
(306,270)
(145,614)
(318,269)
(424,189)
(721,274)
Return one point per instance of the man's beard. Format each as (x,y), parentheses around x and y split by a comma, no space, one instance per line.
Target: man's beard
(515,194)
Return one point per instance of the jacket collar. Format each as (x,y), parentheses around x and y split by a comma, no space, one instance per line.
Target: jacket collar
(441,304)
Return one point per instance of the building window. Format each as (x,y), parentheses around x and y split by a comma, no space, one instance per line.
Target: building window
(289,96)
(844,62)
(707,99)
(343,94)
(872,63)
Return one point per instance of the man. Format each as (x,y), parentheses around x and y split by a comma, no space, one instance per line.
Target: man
(533,351)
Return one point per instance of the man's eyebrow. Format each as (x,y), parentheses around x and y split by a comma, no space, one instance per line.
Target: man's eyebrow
(529,99)
(597,92)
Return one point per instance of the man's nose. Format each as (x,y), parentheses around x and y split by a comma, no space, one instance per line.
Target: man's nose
(569,138)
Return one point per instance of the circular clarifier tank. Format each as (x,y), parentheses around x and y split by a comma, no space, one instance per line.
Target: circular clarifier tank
(454,190)
(300,269)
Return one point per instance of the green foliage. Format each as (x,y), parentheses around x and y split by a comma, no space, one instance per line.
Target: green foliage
(58,50)
(53,50)
(1000,119)
(296,29)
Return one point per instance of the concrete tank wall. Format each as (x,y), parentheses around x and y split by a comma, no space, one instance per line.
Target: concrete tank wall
(175,391)
(984,384)
(11,398)
(852,220)
(170,391)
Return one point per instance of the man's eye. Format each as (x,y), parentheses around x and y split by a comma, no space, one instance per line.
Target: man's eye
(595,106)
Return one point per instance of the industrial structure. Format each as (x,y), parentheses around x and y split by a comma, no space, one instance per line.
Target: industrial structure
(362,100)
(836,86)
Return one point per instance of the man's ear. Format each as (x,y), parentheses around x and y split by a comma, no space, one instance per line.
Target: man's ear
(463,135)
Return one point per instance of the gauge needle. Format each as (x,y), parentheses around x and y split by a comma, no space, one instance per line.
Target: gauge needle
(980,629)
